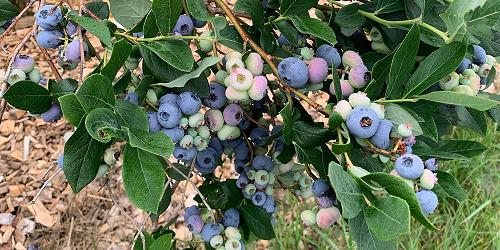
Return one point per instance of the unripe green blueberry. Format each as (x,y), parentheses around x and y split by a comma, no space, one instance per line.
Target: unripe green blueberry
(232,244)
(251,174)
(204,132)
(475,68)
(220,248)
(326,217)
(261,150)
(261,177)
(202,145)
(344,108)
(381,48)
(254,63)
(186,141)
(306,192)
(272,178)
(35,75)
(269,190)
(285,168)
(192,132)
(305,181)
(234,55)
(16,75)
(307,53)
(197,140)
(184,123)
(376,35)
(241,79)
(308,217)
(484,70)
(490,60)
(232,233)
(220,76)
(102,171)
(228,132)
(206,45)
(250,189)
(359,99)
(463,89)
(109,157)
(227,82)
(196,120)
(235,95)
(405,129)
(450,81)
(216,241)
(151,97)
(379,109)
(233,64)
(428,179)
(409,182)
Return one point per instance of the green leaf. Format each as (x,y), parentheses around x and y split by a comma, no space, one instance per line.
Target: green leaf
(335,121)
(119,55)
(121,85)
(132,116)
(7,10)
(230,37)
(129,13)
(454,16)
(97,28)
(143,178)
(102,124)
(348,16)
(471,119)
(162,243)
(451,186)
(314,27)
(100,9)
(488,14)
(450,97)
(150,28)
(388,6)
(310,136)
(147,238)
(468,149)
(396,186)
(160,69)
(422,149)
(399,115)
(434,68)
(96,92)
(82,157)
(288,31)
(366,239)
(319,157)
(175,52)
(347,190)
(380,71)
(72,109)
(289,117)
(428,126)
(157,143)
(198,10)
(166,13)
(258,220)
(165,201)
(63,87)
(338,147)
(254,9)
(182,80)
(296,7)
(29,96)
(403,62)
(388,217)
(336,84)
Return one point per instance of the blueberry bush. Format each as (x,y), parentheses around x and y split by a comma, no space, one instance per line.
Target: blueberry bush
(184,86)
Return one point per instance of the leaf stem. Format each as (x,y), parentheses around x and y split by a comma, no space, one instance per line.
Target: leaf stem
(396,100)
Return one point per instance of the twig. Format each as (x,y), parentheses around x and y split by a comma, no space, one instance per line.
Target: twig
(80,37)
(91,13)
(47,58)
(44,185)
(377,150)
(14,22)
(252,120)
(70,232)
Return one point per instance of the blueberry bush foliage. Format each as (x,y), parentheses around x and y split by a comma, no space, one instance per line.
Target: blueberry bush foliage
(400,75)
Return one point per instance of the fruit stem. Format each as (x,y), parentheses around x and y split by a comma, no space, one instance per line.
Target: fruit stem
(396,100)
(374,149)
(268,59)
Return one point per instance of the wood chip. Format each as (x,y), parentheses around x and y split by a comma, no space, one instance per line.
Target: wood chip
(41,214)
(6,218)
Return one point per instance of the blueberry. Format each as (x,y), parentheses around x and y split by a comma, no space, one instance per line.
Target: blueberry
(191,210)
(479,55)
(233,64)
(169,115)
(381,138)
(330,54)
(362,122)
(65,64)
(318,70)
(24,63)
(47,18)
(232,233)
(241,152)
(217,97)
(16,75)
(308,217)
(409,166)
(307,53)
(359,99)
(232,143)
(194,223)
(320,187)
(380,47)
(54,113)
(217,241)
(428,179)
(359,76)
(231,218)
(379,109)
(484,71)
(71,29)
(198,23)
(343,108)
(184,154)
(184,25)
(49,39)
(233,114)
(257,135)
(262,162)
(196,120)
(242,181)
(325,201)
(326,217)
(236,95)
(234,244)
(132,97)
(450,81)
(259,198)
(293,71)
(228,132)
(240,166)
(431,164)
(72,51)
(220,76)
(168,98)
(216,145)
(210,230)
(60,161)
(175,133)
(214,119)
(35,76)
(376,35)
(189,103)
(154,126)
(465,64)
(240,79)
(269,205)
(350,59)
(428,201)
(207,160)
(254,63)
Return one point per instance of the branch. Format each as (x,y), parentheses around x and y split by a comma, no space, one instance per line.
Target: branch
(14,22)
(268,59)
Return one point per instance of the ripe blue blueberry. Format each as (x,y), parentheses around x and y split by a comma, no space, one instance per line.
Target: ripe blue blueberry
(191,210)
(241,152)
(184,154)
(49,39)
(170,97)
(60,161)
(465,64)
(363,122)
(428,201)
(330,54)
(259,198)
(154,125)
(48,17)
(216,145)
(184,25)
(189,103)
(217,97)
(270,204)
(198,23)
(210,230)
(132,97)
(24,63)
(381,137)
(175,133)
(293,71)
(431,164)
(409,166)
(233,114)
(169,115)
(262,162)
(231,218)
(257,135)
(320,187)
(194,223)
(65,64)
(72,51)
(242,181)
(207,160)
(325,201)
(318,70)
(54,113)
(479,55)
(71,29)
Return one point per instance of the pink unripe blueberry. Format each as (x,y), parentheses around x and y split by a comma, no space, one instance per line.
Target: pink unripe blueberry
(317,70)
(359,76)
(258,89)
(345,88)
(351,58)
(254,63)
(233,114)
(428,179)
(308,217)
(343,108)
(405,129)
(359,99)
(241,79)
(326,217)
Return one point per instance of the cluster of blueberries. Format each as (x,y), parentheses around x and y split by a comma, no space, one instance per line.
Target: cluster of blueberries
(223,235)
(328,214)
(471,74)
(57,31)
